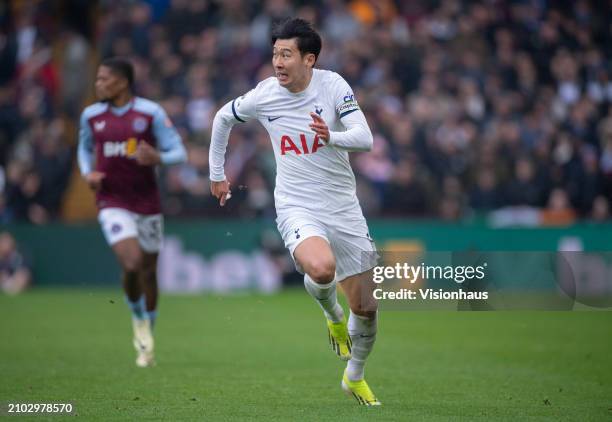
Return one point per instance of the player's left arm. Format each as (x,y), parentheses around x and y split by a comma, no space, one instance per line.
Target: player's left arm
(357,136)
(170,148)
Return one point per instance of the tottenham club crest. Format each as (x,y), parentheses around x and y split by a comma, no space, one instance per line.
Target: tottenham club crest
(139,124)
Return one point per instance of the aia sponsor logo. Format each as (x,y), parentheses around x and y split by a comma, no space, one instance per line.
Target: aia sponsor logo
(120,149)
(287,145)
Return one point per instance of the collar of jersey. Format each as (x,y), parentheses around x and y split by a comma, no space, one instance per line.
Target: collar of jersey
(305,91)
(120,111)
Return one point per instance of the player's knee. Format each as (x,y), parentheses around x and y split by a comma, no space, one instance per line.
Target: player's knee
(322,270)
(131,263)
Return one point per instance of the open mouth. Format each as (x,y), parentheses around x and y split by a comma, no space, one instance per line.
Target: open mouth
(282,77)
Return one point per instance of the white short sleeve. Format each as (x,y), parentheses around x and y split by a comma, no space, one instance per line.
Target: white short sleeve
(344,99)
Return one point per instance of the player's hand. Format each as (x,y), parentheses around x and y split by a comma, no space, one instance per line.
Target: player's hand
(319,126)
(94,180)
(221,191)
(146,155)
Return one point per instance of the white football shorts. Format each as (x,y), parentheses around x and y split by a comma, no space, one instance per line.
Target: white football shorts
(350,242)
(119,224)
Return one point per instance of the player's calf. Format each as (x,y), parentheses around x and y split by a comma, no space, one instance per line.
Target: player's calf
(148,282)
(359,291)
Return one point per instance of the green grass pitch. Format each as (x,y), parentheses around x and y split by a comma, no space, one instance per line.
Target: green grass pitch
(267,358)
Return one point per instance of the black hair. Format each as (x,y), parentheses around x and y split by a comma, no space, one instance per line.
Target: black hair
(308,40)
(121,67)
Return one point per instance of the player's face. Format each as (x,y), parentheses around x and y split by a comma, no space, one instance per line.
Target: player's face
(290,67)
(108,84)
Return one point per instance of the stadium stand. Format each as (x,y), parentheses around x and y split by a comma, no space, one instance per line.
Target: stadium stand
(477,107)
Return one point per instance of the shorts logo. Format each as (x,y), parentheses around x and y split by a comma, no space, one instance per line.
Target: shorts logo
(116,228)
(297,234)
(139,124)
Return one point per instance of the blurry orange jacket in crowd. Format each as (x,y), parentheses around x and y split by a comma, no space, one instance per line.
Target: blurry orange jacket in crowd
(563,217)
(369,12)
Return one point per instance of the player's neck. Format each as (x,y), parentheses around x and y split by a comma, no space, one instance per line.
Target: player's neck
(121,100)
(302,85)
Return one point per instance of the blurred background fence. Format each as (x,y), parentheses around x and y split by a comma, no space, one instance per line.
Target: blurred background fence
(226,255)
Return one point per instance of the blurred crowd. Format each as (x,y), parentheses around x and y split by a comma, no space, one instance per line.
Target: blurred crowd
(15,273)
(40,98)
(476,107)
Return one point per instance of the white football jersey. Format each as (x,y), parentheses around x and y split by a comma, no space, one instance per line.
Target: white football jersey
(310,174)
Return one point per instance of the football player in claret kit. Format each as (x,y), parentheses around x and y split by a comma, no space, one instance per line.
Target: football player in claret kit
(314,121)
(122,140)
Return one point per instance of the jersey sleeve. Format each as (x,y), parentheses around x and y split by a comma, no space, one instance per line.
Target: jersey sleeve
(244,108)
(343,97)
(85,152)
(169,143)
(357,136)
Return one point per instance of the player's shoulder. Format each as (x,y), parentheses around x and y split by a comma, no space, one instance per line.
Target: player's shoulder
(146,106)
(267,84)
(329,77)
(264,89)
(94,110)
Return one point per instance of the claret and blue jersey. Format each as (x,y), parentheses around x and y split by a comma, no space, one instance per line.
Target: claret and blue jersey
(108,139)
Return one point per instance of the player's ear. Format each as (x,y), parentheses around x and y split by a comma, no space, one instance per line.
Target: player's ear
(309,59)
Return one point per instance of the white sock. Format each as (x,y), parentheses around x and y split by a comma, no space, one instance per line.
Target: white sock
(363,335)
(325,295)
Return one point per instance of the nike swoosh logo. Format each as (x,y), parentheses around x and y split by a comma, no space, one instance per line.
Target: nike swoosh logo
(271,119)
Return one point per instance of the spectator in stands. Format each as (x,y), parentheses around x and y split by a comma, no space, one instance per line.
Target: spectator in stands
(15,274)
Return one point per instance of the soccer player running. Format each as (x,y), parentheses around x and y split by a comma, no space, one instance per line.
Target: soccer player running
(313,121)
(122,139)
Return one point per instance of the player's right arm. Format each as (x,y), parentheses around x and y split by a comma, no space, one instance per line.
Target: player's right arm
(239,110)
(85,155)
